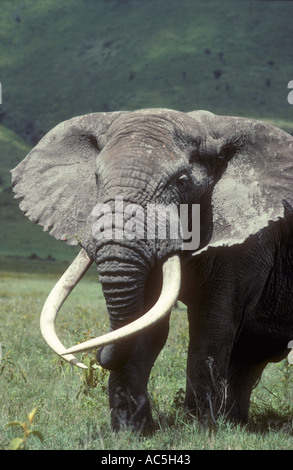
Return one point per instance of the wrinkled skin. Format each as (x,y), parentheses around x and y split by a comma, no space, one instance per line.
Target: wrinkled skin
(242,299)
(167,157)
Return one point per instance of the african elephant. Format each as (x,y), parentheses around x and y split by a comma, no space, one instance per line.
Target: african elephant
(236,281)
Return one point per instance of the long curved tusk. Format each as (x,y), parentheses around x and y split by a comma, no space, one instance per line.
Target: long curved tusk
(167,299)
(54,301)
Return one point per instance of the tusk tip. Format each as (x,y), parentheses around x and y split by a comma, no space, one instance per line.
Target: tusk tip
(74,362)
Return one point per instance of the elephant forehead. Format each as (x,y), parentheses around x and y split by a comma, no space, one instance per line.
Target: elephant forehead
(158,124)
(155,137)
(133,160)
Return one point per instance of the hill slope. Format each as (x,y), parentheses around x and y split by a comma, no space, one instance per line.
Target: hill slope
(60,59)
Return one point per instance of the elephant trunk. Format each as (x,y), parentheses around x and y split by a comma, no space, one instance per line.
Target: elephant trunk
(124,265)
(123,275)
(168,296)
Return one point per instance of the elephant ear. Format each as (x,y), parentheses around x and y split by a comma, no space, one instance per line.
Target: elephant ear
(56,181)
(257,181)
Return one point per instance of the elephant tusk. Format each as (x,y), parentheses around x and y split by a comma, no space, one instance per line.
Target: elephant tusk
(167,299)
(54,301)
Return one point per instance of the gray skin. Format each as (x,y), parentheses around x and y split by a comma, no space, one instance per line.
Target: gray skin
(242,299)
(237,295)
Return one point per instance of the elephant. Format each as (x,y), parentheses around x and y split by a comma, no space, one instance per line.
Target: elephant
(236,280)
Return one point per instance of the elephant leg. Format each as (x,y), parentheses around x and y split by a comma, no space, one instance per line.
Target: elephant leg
(242,379)
(206,386)
(127,388)
(208,358)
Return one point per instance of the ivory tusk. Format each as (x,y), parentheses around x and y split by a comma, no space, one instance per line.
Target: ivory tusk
(167,299)
(56,298)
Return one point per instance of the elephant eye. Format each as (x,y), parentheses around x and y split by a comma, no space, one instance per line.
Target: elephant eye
(183,180)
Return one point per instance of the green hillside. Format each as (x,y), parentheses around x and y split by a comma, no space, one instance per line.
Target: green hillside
(64,58)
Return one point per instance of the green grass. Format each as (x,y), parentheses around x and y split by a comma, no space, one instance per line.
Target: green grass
(32,376)
(59,60)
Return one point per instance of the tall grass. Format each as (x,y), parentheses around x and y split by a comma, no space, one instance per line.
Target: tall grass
(73,415)
(101,56)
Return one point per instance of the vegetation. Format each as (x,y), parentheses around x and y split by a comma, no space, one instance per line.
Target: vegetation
(72,407)
(20,443)
(60,59)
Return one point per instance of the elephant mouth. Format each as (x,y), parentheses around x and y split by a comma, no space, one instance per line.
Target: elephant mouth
(71,277)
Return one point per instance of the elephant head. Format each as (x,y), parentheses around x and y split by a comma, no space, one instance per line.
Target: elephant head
(92,180)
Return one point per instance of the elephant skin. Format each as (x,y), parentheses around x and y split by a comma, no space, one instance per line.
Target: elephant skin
(237,283)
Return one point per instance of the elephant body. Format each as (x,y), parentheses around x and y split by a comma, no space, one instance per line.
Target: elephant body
(240,313)
(238,291)
(240,318)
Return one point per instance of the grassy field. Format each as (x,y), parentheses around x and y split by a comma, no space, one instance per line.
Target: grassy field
(72,409)
(57,61)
